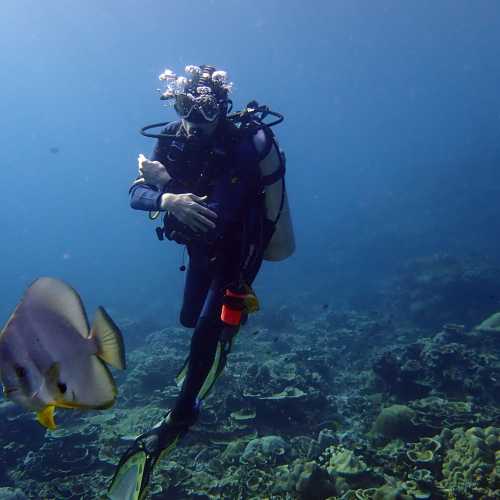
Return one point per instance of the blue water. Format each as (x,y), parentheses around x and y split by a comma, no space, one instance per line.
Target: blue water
(392,134)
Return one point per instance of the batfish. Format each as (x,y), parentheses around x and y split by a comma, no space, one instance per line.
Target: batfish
(50,358)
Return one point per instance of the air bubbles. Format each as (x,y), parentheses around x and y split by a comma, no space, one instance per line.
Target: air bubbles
(181,83)
(167,75)
(220,77)
(193,71)
(202,80)
(203,90)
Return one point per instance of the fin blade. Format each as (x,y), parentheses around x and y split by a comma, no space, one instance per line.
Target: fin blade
(490,324)
(128,478)
(213,373)
(110,345)
(179,378)
(133,474)
(46,417)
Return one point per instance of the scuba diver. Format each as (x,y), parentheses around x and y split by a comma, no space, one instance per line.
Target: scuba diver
(218,178)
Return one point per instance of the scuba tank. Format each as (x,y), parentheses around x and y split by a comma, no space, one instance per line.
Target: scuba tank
(281,244)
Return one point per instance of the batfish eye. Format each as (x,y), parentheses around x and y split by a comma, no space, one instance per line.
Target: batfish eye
(62,387)
(20,371)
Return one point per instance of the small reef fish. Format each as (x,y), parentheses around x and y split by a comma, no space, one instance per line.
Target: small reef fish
(50,358)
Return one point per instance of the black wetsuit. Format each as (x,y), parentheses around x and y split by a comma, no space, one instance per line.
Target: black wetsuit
(227,171)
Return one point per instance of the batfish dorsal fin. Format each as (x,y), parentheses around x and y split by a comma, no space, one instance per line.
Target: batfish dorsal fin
(50,294)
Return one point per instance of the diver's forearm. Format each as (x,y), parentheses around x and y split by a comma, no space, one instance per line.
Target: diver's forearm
(143,197)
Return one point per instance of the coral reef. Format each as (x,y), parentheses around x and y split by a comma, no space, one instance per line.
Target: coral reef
(12,494)
(450,364)
(470,465)
(439,289)
(365,408)
(395,421)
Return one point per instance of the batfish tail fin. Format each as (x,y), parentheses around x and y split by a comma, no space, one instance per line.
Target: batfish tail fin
(110,346)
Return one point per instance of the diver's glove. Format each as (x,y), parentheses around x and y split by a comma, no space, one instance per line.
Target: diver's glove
(133,473)
(190,210)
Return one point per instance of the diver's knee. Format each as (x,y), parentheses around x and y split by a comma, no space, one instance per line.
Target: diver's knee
(188,318)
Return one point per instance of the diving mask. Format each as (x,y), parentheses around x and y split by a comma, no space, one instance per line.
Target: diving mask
(188,106)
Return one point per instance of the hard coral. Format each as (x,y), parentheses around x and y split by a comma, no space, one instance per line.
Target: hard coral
(395,421)
(469,467)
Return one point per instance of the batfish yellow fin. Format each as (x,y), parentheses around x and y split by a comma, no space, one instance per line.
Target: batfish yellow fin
(46,417)
(69,405)
(110,347)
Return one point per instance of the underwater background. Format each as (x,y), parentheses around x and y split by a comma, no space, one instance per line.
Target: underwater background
(392,137)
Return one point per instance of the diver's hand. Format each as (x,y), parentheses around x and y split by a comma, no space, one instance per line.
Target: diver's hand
(152,172)
(190,210)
